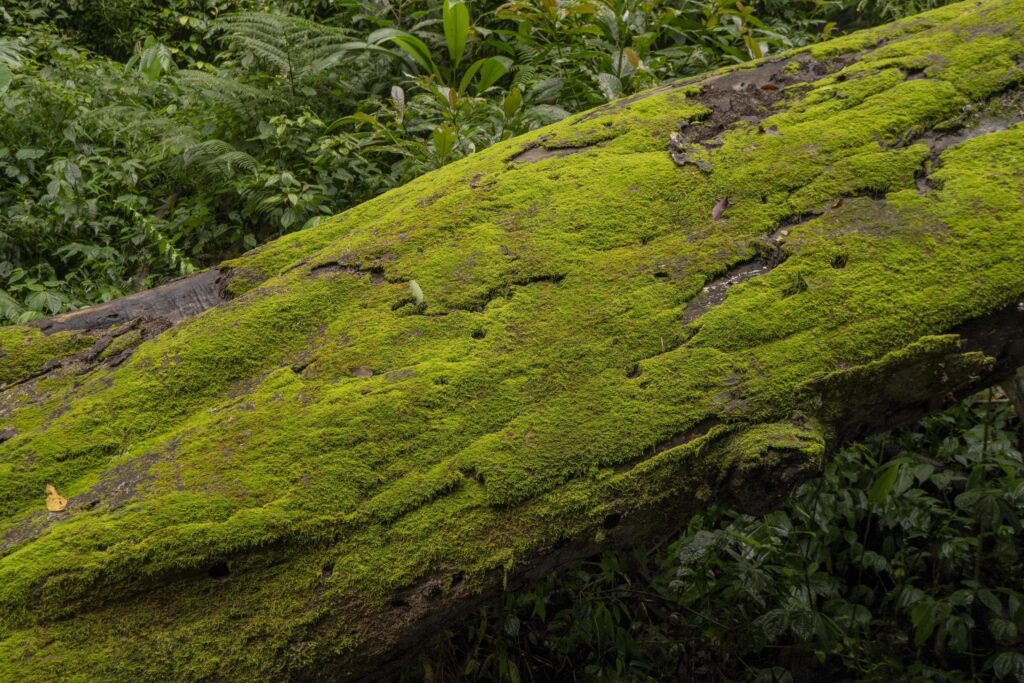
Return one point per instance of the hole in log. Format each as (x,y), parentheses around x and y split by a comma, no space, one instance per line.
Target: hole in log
(218,570)
(611,520)
(472,473)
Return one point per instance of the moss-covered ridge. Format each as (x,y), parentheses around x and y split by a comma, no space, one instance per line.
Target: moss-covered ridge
(296,476)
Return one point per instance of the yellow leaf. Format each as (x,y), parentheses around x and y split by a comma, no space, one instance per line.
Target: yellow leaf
(54,501)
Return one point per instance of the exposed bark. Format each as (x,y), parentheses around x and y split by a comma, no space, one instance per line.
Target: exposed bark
(173,302)
(304,463)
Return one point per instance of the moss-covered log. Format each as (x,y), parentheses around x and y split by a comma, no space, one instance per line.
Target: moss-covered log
(298,464)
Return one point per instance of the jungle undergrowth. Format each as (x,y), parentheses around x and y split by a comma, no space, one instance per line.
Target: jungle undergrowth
(902,560)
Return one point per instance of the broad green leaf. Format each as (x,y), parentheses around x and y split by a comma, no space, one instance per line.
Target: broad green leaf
(492,69)
(456,29)
(923,617)
(6,76)
(467,77)
(1007,663)
(417,50)
(513,100)
(150,65)
(884,484)
(444,142)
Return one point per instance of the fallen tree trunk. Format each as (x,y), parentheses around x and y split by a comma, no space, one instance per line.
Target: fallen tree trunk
(300,464)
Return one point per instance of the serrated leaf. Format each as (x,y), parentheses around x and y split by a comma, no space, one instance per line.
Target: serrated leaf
(610,85)
(29,153)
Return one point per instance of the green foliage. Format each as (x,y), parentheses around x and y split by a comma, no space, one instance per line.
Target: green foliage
(902,560)
(141,140)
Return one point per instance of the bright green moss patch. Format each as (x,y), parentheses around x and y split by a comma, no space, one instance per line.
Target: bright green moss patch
(275,483)
(24,351)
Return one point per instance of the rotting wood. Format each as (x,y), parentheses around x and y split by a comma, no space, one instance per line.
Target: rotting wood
(173,302)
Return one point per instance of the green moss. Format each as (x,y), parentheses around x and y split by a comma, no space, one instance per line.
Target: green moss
(120,344)
(324,419)
(25,350)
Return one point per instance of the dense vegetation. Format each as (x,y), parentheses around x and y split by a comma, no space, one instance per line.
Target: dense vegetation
(139,141)
(903,561)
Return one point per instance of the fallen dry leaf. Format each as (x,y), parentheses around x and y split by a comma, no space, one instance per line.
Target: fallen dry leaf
(837,203)
(720,206)
(54,501)
(417,293)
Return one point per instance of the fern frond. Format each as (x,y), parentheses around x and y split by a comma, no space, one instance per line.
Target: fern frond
(265,51)
(237,159)
(291,46)
(10,52)
(223,90)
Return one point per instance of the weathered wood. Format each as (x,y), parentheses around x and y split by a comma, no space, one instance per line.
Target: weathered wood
(174,301)
(301,464)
